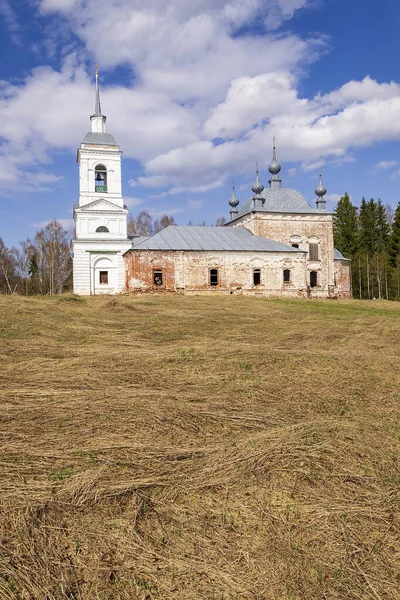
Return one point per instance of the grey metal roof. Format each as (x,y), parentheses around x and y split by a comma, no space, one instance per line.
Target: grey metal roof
(138,239)
(280,200)
(177,237)
(99,139)
(338,255)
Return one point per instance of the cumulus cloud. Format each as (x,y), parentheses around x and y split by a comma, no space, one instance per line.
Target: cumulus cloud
(386,164)
(203,101)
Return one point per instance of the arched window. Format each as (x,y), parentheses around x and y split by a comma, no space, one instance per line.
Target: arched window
(295,246)
(100,179)
(286,276)
(256,276)
(102,229)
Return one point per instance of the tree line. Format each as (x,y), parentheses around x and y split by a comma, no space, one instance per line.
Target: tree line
(370,237)
(43,265)
(145,225)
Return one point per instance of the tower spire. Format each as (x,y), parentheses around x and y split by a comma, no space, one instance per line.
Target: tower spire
(258,189)
(320,191)
(97,118)
(274,168)
(233,203)
(97,108)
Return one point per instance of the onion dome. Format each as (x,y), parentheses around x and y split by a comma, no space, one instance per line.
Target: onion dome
(258,186)
(234,200)
(321,189)
(274,166)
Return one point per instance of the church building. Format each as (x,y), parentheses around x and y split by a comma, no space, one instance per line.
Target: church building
(275,244)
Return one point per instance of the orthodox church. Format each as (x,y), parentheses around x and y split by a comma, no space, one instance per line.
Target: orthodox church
(275,244)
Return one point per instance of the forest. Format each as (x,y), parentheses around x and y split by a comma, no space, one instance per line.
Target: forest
(370,237)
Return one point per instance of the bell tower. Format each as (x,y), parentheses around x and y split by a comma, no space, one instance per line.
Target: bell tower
(100,215)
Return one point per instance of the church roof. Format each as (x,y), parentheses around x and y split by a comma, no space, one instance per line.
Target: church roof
(280,200)
(177,237)
(338,255)
(99,139)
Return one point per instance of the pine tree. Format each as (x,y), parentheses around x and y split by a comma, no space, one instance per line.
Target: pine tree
(345,227)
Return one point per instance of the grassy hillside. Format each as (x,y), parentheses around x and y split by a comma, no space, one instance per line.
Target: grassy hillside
(165,448)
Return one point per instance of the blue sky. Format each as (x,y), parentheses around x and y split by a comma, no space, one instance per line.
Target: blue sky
(194,93)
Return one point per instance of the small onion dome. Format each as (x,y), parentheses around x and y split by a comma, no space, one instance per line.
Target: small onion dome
(274,166)
(258,186)
(233,201)
(320,190)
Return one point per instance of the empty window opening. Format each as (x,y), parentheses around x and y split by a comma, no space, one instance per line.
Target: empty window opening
(213,276)
(313,279)
(295,246)
(286,275)
(256,276)
(104,277)
(102,229)
(313,249)
(100,179)
(158,277)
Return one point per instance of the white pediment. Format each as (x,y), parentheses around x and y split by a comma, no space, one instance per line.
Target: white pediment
(100,205)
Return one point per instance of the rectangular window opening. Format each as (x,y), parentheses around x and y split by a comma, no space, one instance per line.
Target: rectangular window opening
(313,250)
(158,277)
(104,277)
(313,279)
(286,276)
(256,276)
(213,277)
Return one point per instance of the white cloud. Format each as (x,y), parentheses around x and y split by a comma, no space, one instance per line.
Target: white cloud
(66,223)
(203,102)
(333,197)
(387,164)
(11,20)
(195,204)
(131,202)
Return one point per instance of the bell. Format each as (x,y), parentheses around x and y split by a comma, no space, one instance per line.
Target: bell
(99,177)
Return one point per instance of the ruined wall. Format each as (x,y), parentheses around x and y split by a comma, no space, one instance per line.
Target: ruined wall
(303,230)
(189,272)
(343,278)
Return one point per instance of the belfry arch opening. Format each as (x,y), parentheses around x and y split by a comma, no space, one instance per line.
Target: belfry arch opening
(100,179)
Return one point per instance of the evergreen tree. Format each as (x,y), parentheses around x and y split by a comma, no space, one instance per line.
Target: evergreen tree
(368,231)
(382,228)
(394,241)
(33,267)
(345,227)
(33,272)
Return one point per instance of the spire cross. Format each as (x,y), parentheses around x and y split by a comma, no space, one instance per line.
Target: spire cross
(257,169)
(97,109)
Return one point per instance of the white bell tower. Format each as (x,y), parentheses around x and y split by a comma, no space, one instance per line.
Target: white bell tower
(100,215)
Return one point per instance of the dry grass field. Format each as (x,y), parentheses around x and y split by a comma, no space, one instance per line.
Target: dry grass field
(186,448)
